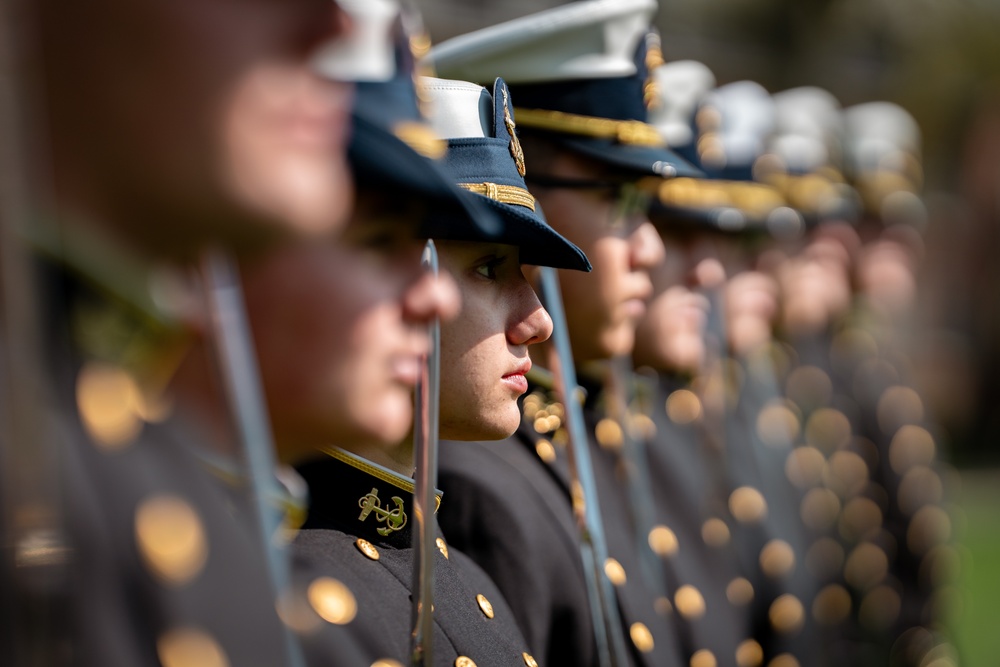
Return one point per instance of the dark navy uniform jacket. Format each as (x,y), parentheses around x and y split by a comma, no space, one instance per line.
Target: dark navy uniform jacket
(161,564)
(696,541)
(511,512)
(359,531)
(864,423)
(757,453)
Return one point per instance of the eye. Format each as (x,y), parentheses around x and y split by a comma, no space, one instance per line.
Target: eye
(630,208)
(383,240)
(386,240)
(487,268)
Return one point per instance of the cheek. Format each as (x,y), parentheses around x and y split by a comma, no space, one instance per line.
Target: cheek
(613,255)
(371,403)
(469,347)
(474,354)
(320,339)
(593,300)
(670,271)
(306,366)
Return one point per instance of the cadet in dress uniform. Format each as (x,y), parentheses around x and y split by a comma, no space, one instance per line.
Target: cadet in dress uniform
(882,528)
(776,541)
(344,419)
(158,148)
(706,555)
(713,228)
(485,352)
(579,90)
(884,153)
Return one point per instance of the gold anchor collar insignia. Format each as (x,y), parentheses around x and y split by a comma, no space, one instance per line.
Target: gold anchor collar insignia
(515,146)
(360,497)
(394,519)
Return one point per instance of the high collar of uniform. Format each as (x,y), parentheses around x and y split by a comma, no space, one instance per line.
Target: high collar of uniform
(356,496)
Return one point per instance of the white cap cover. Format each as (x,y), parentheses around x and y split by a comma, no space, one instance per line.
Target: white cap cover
(367,53)
(579,40)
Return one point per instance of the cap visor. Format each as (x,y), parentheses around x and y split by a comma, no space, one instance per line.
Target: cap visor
(539,244)
(647,160)
(379,159)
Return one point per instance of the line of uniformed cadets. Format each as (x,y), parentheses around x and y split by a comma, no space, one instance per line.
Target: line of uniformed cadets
(785,481)
(768,482)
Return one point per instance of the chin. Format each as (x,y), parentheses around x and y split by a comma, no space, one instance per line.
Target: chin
(390,424)
(619,341)
(496,427)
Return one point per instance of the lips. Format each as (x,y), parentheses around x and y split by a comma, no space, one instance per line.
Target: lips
(406,369)
(635,305)
(635,308)
(407,364)
(515,380)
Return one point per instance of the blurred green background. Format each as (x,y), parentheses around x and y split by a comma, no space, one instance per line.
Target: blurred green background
(974,614)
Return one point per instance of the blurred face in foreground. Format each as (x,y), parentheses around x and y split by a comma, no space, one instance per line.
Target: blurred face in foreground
(177,123)
(609,224)
(484,351)
(340,329)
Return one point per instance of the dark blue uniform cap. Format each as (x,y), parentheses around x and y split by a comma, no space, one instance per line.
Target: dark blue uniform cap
(579,74)
(394,150)
(491,166)
(633,144)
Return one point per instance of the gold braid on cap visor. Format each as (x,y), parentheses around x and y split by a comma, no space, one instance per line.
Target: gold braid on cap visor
(632,132)
(505,194)
(753,198)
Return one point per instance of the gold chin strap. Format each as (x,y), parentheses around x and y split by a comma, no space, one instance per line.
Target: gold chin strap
(631,132)
(505,194)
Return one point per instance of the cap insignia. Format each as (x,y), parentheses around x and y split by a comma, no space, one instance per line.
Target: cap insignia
(654,59)
(515,146)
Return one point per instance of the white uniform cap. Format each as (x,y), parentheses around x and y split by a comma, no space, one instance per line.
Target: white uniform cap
(594,39)
(807,110)
(681,85)
(745,120)
(367,52)
(881,136)
(808,128)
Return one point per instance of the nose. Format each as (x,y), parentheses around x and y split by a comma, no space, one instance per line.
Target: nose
(646,247)
(431,296)
(708,273)
(531,322)
(706,269)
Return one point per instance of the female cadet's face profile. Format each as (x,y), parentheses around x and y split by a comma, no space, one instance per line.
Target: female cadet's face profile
(484,351)
(338,332)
